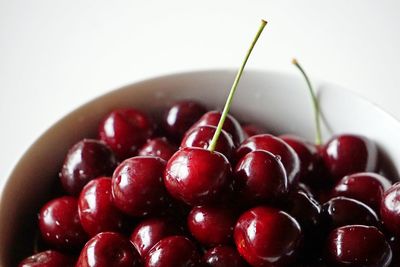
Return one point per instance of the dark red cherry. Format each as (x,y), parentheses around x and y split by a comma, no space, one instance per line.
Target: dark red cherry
(252,129)
(223,256)
(176,251)
(231,125)
(180,117)
(211,225)
(48,258)
(366,187)
(125,131)
(305,209)
(197,176)
(267,237)
(260,176)
(137,186)
(109,249)
(276,146)
(390,209)
(97,212)
(347,154)
(341,211)
(147,233)
(158,147)
(358,245)
(201,137)
(59,223)
(86,160)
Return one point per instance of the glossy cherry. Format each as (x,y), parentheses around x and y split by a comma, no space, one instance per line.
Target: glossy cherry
(358,245)
(109,249)
(252,129)
(59,223)
(86,160)
(147,233)
(223,256)
(48,258)
(201,136)
(178,118)
(366,187)
(137,186)
(125,131)
(276,146)
(260,176)
(177,251)
(158,147)
(304,208)
(390,209)
(348,153)
(211,225)
(97,211)
(197,176)
(267,237)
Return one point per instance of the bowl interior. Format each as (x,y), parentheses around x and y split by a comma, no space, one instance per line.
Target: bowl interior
(279,102)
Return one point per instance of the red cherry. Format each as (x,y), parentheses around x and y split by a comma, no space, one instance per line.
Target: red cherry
(259,177)
(147,233)
(108,249)
(223,256)
(59,223)
(180,116)
(366,187)
(267,237)
(137,186)
(252,129)
(177,251)
(276,146)
(358,245)
(86,160)
(231,125)
(211,225)
(158,147)
(201,137)
(125,131)
(97,212)
(197,176)
(48,258)
(347,154)
(390,209)
(305,209)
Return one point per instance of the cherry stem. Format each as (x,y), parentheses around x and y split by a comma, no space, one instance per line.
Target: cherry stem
(317,111)
(228,103)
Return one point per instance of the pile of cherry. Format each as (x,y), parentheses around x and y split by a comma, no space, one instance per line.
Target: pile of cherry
(135,199)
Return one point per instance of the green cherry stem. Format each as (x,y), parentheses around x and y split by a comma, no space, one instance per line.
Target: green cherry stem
(228,103)
(318,138)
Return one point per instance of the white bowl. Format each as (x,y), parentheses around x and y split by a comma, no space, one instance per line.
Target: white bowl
(278,101)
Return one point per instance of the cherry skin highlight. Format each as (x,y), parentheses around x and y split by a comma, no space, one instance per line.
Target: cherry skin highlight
(48,258)
(223,256)
(158,147)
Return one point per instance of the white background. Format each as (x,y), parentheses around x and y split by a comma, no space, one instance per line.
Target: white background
(56,55)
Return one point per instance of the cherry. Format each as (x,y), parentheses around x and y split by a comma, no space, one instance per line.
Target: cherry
(211,225)
(358,245)
(341,211)
(223,256)
(304,208)
(390,209)
(59,223)
(366,187)
(48,258)
(137,185)
(201,136)
(180,116)
(267,237)
(197,176)
(125,131)
(97,212)
(252,129)
(147,233)
(277,147)
(86,160)
(348,153)
(259,177)
(108,249)
(159,147)
(177,251)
